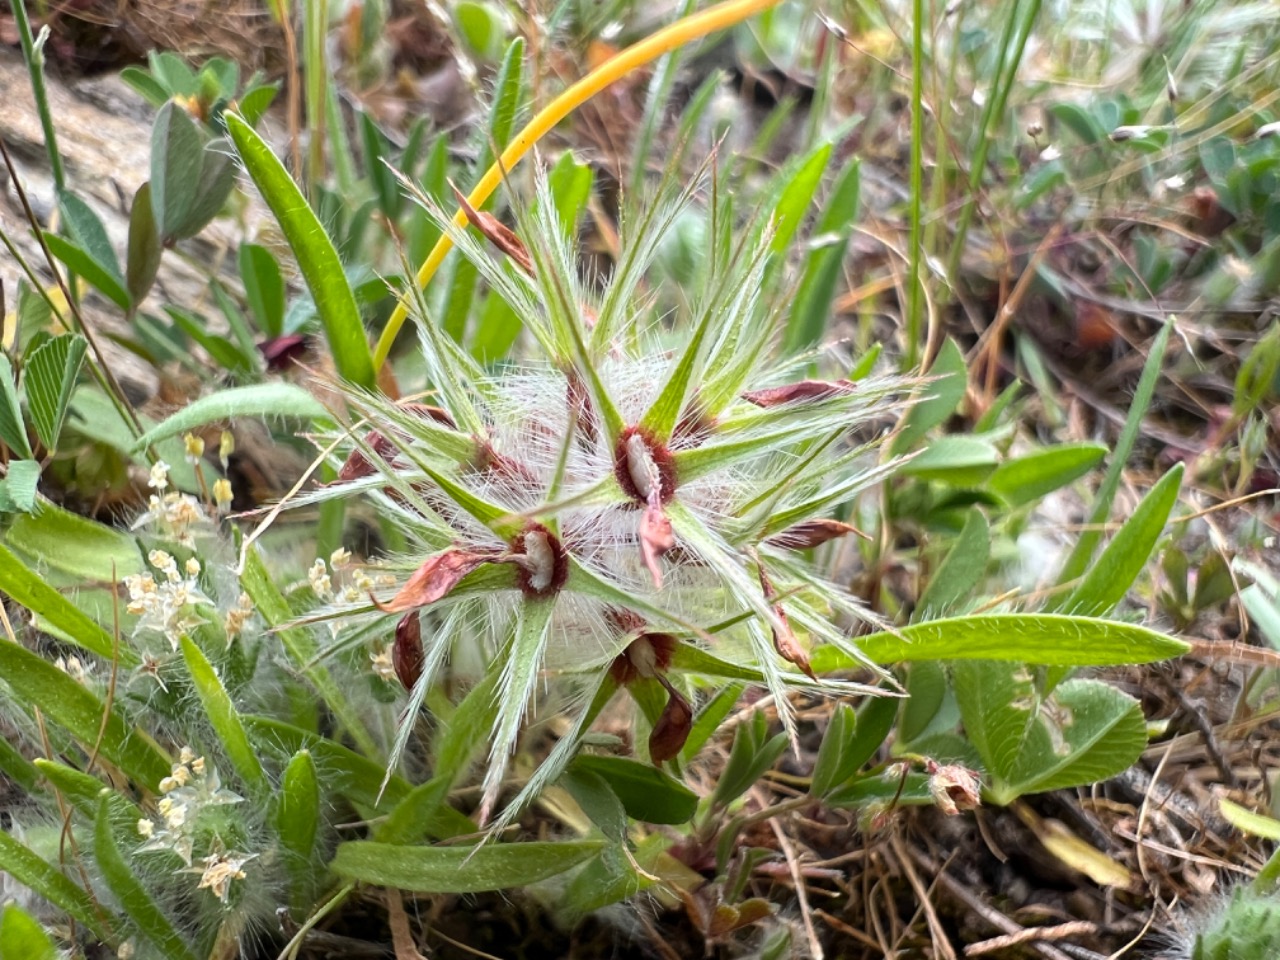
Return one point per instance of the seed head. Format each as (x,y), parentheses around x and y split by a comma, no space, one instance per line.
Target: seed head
(624,499)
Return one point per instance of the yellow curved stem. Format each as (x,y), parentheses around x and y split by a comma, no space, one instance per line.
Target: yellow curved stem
(683,31)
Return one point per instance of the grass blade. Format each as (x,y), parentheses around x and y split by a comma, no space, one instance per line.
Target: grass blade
(1125,557)
(28,589)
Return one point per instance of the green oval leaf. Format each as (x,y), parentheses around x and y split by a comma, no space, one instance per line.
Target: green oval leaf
(177,157)
(82,264)
(263,287)
(316,256)
(86,229)
(1041,638)
(1029,478)
(142,261)
(38,683)
(459,869)
(257,400)
(962,569)
(646,792)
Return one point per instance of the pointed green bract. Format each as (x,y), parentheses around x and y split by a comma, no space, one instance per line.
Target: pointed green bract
(515,688)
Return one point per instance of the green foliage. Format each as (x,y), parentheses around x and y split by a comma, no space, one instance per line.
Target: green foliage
(645,793)
(259,400)
(618,486)
(317,259)
(459,869)
(1083,732)
(191,175)
(22,936)
(52,370)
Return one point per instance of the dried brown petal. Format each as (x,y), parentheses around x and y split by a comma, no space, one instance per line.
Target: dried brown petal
(436,578)
(358,465)
(580,408)
(406,652)
(784,641)
(656,538)
(954,788)
(726,918)
(798,392)
(497,233)
(673,726)
(813,533)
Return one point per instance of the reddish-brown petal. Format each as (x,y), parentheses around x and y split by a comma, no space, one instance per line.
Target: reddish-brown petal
(497,233)
(406,652)
(656,538)
(504,468)
(428,412)
(784,641)
(358,465)
(813,533)
(580,408)
(436,578)
(279,352)
(797,392)
(673,726)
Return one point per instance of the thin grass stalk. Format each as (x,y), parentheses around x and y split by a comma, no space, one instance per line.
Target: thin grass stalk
(942,149)
(35,68)
(669,38)
(315,27)
(915,293)
(1006,71)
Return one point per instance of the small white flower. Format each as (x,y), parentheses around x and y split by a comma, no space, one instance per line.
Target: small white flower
(321,584)
(159,479)
(219,870)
